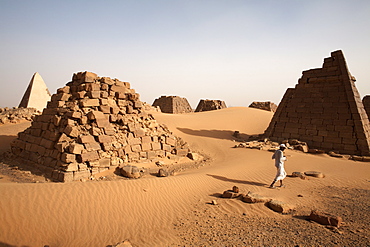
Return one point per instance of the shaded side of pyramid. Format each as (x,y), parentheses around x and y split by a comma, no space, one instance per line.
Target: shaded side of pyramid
(173,104)
(37,94)
(91,125)
(325,110)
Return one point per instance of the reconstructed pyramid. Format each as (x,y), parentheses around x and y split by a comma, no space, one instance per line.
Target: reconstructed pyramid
(37,94)
(366,103)
(325,110)
(91,125)
(210,105)
(173,104)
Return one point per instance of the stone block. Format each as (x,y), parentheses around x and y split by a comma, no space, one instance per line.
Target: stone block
(105,139)
(93,94)
(146,146)
(72,167)
(280,207)
(105,162)
(136,148)
(134,141)
(255,198)
(89,87)
(88,77)
(72,131)
(75,148)
(325,218)
(230,194)
(146,139)
(92,146)
(170,140)
(89,102)
(68,158)
(156,146)
(88,156)
(182,152)
(86,139)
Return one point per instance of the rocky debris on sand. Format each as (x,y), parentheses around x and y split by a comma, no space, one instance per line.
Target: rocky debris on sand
(280,207)
(315,174)
(130,171)
(335,154)
(194,156)
(163,172)
(230,194)
(15,115)
(254,198)
(325,218)
(267,106)
(235,189)
(125,243)
(300,175)
(360,158)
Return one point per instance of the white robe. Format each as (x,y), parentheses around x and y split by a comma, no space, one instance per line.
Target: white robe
(279,164)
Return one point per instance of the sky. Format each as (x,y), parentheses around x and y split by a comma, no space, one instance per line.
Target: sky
(238,51)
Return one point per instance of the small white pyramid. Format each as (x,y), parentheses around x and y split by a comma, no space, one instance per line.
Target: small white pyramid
(37,94)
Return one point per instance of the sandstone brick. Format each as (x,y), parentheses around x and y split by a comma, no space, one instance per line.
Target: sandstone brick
(92,146)
(75,148)
(89,156)
(68,158)
(89,102)
(72,131)
(146,146)
(86,139)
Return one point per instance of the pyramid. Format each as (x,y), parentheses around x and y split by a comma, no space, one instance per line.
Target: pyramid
(325,110)
(37,94)
(366,102)
(91,125)
(173,104)
(210,105)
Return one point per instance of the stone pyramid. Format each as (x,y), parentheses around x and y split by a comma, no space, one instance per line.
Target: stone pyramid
(37,94)
(325,110)
(91,125)
(210,105)
(173,104)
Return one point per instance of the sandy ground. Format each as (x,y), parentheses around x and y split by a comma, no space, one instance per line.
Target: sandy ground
(177,210)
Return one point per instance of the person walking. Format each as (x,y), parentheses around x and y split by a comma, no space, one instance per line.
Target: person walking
(279,164)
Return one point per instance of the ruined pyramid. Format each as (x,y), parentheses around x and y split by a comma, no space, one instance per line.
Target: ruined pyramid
(173,104)
(325,110)
(37,94)
(91,125)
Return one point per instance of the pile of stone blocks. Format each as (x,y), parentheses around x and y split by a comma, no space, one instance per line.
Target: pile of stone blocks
(91,125)
(173,104)
(267,106)
(210,105)
(15,115)
(325,110)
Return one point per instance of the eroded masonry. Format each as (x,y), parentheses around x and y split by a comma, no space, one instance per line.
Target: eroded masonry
(325,110)
(91,125)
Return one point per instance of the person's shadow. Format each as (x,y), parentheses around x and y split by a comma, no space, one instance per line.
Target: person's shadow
(236,180)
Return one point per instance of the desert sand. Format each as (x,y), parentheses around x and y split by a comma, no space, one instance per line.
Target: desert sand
(177,210)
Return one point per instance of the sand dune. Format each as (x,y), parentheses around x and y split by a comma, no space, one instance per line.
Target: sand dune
(145,210)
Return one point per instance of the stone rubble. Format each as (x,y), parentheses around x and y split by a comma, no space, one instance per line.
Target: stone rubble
(15,115)
(91,125)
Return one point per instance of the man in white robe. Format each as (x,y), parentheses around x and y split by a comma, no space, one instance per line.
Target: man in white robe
(279,164)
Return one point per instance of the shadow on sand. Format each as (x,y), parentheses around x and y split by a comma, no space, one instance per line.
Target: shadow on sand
(237,180)
(218,134)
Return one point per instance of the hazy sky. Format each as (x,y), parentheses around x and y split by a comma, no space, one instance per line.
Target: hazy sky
(236,51)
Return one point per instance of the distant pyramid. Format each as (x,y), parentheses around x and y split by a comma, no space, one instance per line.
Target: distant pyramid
(37,94)
(324,110)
